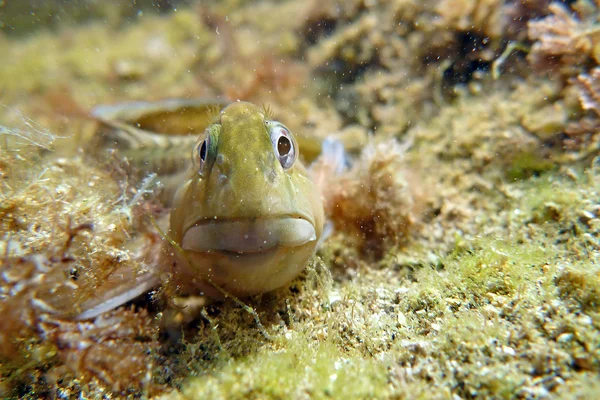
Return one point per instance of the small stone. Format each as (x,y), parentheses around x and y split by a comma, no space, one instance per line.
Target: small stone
(401,319)
(564,337)
(586,216)
(453,303)
(584,319)
(584,363)
(509,350)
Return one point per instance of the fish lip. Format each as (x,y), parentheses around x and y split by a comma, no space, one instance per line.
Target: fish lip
(249,236)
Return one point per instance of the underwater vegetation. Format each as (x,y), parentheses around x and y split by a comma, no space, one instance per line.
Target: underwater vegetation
(463,259)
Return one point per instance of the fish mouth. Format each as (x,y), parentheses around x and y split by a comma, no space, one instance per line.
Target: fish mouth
(254,236)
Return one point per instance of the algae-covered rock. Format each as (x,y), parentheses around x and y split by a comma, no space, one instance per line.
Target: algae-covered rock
(547,122)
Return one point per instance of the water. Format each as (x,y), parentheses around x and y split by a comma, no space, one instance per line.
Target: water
(462,250)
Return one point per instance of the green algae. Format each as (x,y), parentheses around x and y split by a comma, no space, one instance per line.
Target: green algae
(487,267)
(299,367)
(480,309)
(526,164)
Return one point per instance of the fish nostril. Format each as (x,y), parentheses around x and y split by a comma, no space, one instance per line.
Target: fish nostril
(223,167)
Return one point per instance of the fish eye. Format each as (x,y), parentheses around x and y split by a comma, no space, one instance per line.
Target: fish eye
(200,154)
(205,149)
(283,144)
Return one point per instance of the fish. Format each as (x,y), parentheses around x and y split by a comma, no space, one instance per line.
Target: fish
(245,217)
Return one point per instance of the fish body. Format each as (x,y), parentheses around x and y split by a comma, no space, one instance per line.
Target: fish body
(154,136)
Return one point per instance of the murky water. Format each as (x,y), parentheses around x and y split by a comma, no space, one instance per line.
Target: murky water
(410,210)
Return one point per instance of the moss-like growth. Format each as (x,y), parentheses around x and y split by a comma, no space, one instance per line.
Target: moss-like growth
(525,165)
(294,366)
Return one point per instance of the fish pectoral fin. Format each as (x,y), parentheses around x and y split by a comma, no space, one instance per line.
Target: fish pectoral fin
(331,163)
(326,170)
(327,232)
(116,291)
(335,155)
